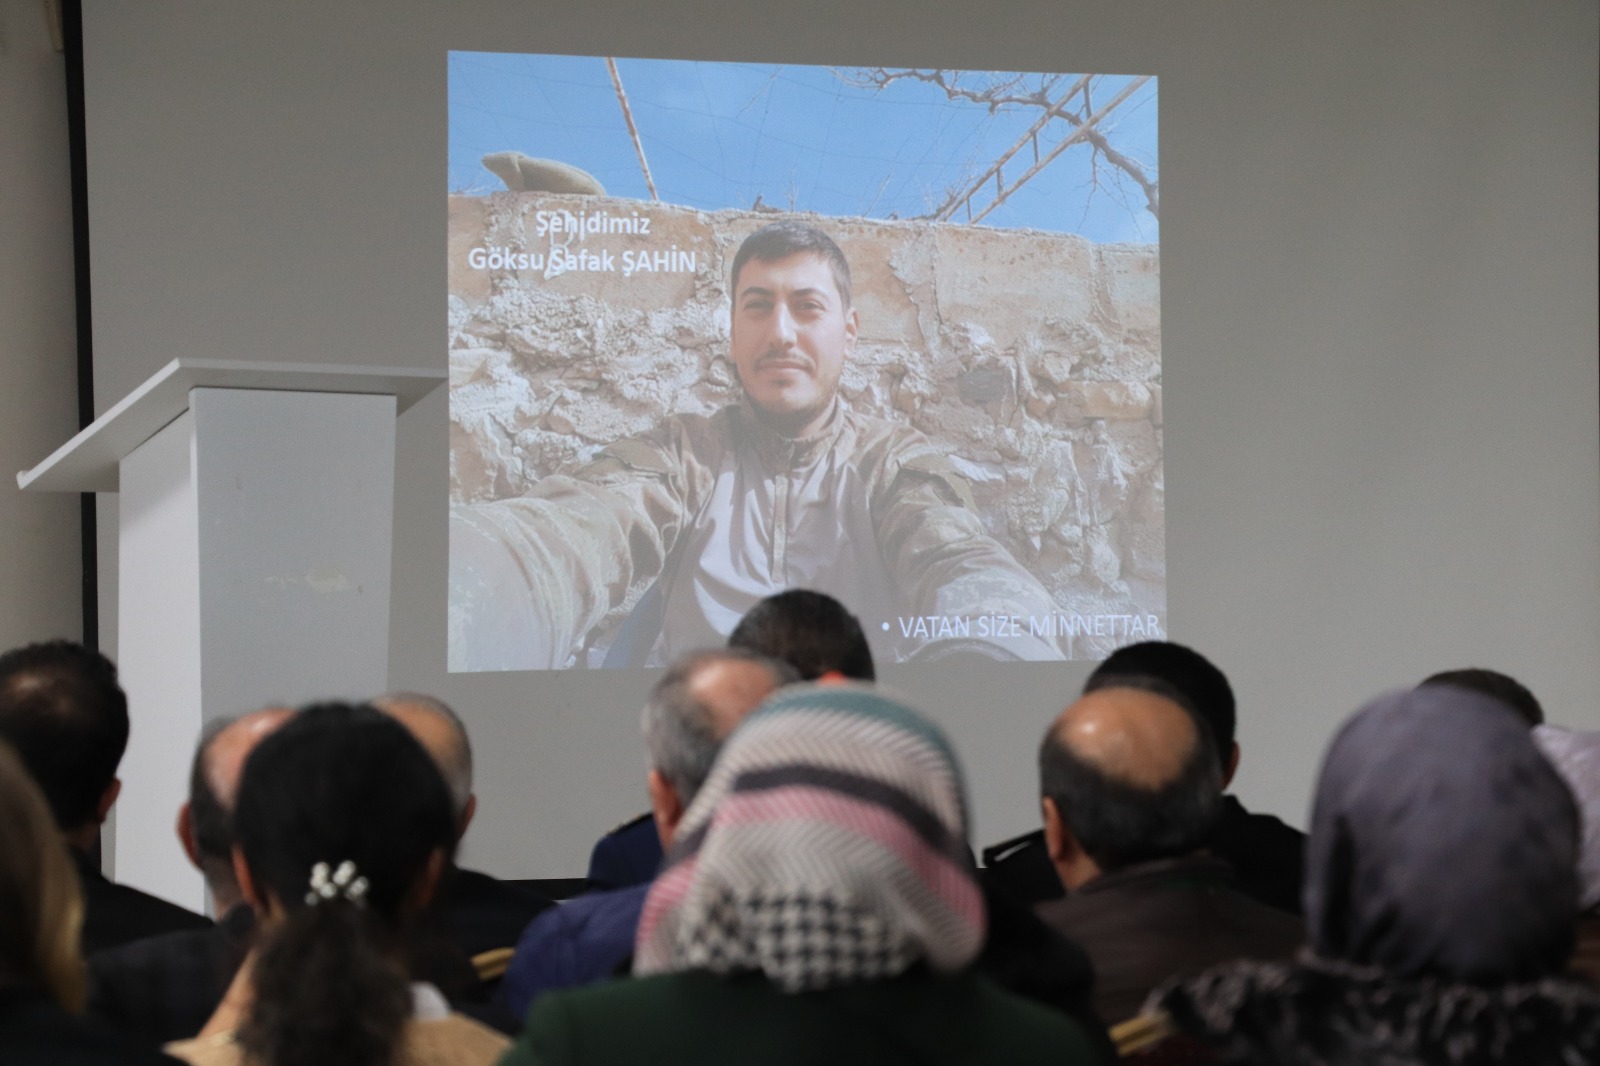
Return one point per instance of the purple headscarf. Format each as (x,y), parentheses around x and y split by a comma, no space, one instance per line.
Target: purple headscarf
(1443,844)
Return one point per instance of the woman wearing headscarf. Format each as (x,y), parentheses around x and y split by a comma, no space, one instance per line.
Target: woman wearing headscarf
(1441,895)
(1576,757)
(818,906)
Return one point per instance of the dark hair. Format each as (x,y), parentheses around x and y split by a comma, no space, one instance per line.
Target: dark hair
(1205,688)
(1508,690)
(63,711)
(338,783)
(1118,823)
(811,631)
(780,240)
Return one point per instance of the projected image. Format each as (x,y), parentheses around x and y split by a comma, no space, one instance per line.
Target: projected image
(717,330)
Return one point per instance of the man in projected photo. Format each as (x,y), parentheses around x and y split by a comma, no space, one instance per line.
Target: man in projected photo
(787,488)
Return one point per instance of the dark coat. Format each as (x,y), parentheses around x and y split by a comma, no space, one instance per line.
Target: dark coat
(1267,858)
(1156,920)
(701,1019)
(628,855)
(478,913)
(116,914)
(34,1031)
(165,988)
(578,943)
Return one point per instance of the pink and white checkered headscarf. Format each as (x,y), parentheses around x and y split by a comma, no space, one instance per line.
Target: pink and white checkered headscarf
(827,847)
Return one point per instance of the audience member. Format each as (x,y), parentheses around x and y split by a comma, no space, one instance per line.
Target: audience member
(1131,788)
(813,633)
(345,830)
(819,905)
(691,711)
(1508,690)
(1266,855)
(63,711)
(163,988)
(475,911)
(1576,757)
(1441,895)
(41,910)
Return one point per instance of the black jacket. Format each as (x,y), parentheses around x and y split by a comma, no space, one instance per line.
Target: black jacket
(34,1031)
(116,914)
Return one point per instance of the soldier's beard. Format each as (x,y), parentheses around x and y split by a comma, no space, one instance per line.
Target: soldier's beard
(791,422)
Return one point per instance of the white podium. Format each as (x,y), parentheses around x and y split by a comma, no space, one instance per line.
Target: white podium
(256,520)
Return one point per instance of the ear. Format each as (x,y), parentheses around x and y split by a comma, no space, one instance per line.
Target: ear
(432,879)
(107,799)
(666,806)
(247,884)
(852,329)
(186,836)
(1232,766)
(1058,840)
(466,816)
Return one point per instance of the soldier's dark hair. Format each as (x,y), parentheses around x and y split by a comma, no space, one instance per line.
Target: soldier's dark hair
(1119,823)
(780,240)
(63,711)
(1205,689)
(337,783)
(1508,690)
(811,631)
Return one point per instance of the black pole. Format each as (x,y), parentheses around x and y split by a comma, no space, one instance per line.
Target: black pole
(72,39)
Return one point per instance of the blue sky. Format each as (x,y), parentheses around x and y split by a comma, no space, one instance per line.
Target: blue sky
(718,135)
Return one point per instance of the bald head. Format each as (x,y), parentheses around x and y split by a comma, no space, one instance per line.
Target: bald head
(205,823)
(1132,774)
(1132,736)
(440,731)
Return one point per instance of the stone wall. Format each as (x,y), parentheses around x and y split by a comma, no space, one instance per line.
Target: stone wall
(1035,356)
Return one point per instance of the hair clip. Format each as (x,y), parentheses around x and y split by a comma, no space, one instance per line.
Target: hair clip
(342,883)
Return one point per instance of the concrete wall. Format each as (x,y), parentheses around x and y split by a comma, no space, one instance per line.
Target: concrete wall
(1032,358)
(39,560)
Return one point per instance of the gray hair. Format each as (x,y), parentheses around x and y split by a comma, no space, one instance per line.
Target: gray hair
(456,765)
(680,731)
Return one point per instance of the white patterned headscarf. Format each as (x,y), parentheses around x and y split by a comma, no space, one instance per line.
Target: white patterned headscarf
(1576,757)
(827,847)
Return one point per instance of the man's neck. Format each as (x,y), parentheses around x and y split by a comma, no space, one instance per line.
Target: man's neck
(83,837)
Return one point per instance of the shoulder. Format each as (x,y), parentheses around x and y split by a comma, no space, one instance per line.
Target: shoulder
(33,1029)
(117,914)
(453,1041)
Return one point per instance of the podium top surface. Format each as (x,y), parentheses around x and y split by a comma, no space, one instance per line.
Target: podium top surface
(90,461)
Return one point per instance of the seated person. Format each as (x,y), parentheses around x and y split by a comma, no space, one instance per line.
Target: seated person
(691,711)
(1441,895)
(475,912)
(819,905)
(345,829)
(1131,788)
(163,988)
(809,631)
(41,909)
(1266,855)
(63,711)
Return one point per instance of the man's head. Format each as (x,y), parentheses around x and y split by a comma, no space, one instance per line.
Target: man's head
(205,822)
(1508,690)
(1204,688)
(792,325)
(692,709)
(811,631)
(440,730)
(1127,774)
(63,711)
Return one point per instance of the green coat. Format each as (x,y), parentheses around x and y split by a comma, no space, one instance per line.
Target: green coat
(701,1019)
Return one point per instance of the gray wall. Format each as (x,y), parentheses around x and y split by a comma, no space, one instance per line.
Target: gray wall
(1378,278)
(39,567)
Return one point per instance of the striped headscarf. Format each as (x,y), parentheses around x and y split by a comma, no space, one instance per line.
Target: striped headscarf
(827,847)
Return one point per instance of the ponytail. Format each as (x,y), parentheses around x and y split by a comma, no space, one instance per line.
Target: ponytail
(330,990)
